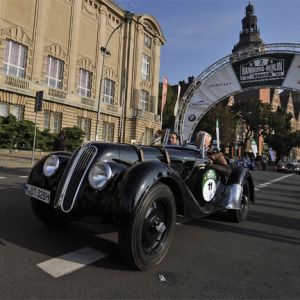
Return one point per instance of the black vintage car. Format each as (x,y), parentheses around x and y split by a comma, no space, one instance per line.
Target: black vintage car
(139,189)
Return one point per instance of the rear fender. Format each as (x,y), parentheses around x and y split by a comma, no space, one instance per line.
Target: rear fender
(235,183)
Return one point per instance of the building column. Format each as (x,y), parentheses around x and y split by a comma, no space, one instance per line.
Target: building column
(101,40)
(155,74)
(73,45)
(138,66)
(41,14)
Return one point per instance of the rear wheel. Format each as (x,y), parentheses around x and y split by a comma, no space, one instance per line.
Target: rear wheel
(146,240)
(240,215)
(47,214)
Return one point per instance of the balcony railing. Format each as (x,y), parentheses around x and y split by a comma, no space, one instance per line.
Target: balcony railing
(87,101)
(16,82)
(57,93)
(139,113)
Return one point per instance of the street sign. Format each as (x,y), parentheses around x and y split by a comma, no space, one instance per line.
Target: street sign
(38,101)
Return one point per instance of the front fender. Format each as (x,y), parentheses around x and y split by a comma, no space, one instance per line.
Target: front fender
(37,177)
(137,182)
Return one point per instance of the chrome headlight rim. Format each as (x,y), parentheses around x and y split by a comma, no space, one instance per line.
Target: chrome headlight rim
(99,179)
(51,165)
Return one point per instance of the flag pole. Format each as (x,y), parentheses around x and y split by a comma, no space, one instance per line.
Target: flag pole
(218,133)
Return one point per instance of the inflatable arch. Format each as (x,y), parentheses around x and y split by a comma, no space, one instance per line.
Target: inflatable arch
(267,66)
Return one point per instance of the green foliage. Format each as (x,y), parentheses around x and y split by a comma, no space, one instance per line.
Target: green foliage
(8,132)
(275,126)
(45,140)
(75,137)
(168,112)
(227,123)
(20,135)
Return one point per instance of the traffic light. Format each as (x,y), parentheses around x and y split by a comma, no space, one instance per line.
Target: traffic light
(38,101)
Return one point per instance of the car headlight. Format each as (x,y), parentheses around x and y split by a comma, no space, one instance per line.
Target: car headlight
(99,176)
(51,165)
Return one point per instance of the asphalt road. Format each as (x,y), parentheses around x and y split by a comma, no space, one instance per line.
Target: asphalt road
(209,258)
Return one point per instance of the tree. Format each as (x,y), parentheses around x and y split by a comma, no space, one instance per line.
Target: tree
(227,123)
(8,132)
(280,137)
(168,112)
(74,137)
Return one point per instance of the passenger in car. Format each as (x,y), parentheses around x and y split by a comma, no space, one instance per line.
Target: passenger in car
(216,157)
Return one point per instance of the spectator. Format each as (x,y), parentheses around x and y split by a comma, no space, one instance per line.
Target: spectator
(158,137)
(62,140)
(173,138)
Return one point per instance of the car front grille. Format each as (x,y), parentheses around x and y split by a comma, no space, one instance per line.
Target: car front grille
(72,178)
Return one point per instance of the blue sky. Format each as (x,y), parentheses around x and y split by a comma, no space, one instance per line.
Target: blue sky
(200,32)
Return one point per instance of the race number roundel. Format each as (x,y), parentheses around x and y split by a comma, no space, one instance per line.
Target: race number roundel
(209,185)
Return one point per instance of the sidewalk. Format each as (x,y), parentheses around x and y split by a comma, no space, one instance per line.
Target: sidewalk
(19,158)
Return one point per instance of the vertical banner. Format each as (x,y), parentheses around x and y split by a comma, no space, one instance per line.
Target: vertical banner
(163,97)
(177,100)
(164,92)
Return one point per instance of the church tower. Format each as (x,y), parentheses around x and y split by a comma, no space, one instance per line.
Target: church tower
(250,35)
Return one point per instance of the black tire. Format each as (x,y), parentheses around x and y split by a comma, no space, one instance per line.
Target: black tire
(145,242)
(47,214)
(240,215)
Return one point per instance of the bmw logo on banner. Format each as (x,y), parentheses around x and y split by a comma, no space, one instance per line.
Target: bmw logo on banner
(192,118)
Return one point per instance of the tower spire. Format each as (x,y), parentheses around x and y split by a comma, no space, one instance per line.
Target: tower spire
(250,35)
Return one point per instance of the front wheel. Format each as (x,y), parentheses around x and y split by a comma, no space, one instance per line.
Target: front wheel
(146,240)
(240,215)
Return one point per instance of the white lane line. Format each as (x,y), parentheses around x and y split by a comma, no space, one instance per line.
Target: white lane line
(3,177)
(25,176)
(70,262)
(267,183)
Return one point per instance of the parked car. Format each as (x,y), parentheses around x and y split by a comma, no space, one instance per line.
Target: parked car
(289,166)
(139,189)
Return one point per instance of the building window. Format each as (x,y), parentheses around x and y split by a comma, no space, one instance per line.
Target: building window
(85,125)
(148,136)
(147,41)
(14,59)
(4,109)
(145,67)
(108,91)
(144,100)
(85,83)
(108,132)
(15,110)
(54,72)
(52,121)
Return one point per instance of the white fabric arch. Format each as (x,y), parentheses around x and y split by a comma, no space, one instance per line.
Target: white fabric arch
(273,66)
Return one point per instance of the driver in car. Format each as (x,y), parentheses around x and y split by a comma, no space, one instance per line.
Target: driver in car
(215,157)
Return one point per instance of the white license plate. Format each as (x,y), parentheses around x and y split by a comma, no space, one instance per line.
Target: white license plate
(37,193)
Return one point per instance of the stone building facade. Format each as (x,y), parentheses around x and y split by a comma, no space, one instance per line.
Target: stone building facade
(55,46)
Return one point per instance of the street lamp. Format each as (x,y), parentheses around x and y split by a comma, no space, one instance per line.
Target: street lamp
(105,52)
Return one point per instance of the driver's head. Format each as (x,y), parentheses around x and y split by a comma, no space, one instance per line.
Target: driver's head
(203,138)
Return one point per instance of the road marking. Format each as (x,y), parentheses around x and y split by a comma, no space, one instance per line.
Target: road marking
(70,262)
(3,177)
(25,176)
(262,185)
